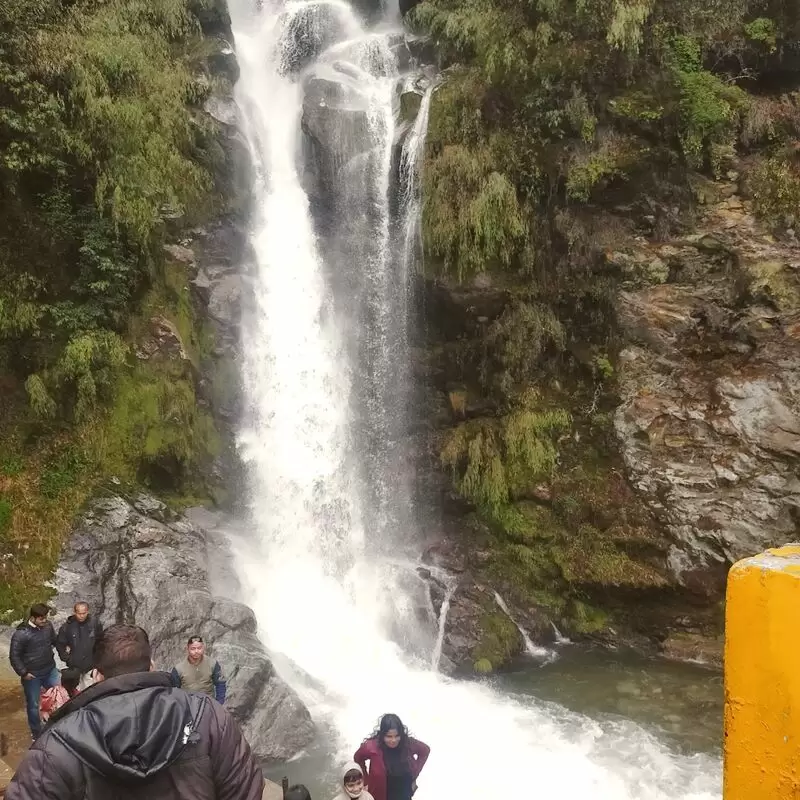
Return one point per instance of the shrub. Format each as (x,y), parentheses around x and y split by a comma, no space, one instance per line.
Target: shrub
(776,191)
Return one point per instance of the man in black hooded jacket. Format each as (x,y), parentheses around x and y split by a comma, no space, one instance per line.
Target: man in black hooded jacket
(134,735)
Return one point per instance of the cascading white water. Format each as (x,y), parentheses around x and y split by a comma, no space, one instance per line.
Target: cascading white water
(531,648)
(316,95)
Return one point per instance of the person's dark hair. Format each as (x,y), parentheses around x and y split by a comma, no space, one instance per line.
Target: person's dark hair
(297,792)
(70,678)
(389,722)
(122,649)
(40,610)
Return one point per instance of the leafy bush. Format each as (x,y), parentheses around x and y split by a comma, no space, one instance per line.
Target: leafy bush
(97,144)
(490,460)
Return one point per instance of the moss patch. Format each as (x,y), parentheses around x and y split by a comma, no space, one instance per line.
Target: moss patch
(155,433)
(499,643)
(590,540)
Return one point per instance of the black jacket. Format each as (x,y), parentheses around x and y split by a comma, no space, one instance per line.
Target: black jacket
(136,736)
(80,638)
(32,649)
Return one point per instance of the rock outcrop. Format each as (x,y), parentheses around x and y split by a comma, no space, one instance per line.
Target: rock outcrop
(137,562)
(709,424)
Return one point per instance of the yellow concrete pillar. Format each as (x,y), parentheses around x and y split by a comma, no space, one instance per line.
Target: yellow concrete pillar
(762,677)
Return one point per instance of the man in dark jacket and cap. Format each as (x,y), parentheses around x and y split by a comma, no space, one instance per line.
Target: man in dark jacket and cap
(31,657)
(133,735)
(75,641)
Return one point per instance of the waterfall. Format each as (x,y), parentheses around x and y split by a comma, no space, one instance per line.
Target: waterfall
(437,648)
(530,648)
(325,382)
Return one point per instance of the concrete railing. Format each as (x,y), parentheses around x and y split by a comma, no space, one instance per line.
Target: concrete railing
(762,677)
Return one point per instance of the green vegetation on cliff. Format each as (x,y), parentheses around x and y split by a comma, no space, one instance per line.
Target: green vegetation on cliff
(563,129)
(551,104)
(104,150)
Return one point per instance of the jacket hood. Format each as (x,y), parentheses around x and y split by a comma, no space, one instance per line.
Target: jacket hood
(346,794)
(128,728)
(349,767)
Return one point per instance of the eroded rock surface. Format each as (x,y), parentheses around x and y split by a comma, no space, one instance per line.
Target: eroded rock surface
(709,425)
(137,562)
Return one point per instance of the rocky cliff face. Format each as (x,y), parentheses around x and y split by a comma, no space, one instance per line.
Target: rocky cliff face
(136,562)
(709,423)
(629,538)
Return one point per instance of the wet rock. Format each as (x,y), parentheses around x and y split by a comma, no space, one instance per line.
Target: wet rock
(223,63)
(407,5)
(335,125)
(709,423)
(694,647)
(224,300)
(222,109)
(214,17)
(410,103)
(141,564)
(311,29)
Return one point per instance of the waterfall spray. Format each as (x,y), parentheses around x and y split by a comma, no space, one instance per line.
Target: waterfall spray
(322,431)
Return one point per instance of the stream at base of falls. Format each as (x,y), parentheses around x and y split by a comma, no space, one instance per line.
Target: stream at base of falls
(680,703)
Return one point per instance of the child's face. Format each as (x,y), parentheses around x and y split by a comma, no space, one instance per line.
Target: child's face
(354,785)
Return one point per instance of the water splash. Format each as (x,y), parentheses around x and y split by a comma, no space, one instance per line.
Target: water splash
(322,435)
(436,657)
(531,648)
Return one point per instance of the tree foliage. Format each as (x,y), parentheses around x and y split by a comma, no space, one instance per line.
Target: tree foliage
(99,142)
(552,104)
(491,460)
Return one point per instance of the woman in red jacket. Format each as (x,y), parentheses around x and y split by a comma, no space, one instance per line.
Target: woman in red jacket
(395,760)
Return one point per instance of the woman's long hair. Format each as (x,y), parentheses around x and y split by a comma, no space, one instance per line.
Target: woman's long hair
(389,722)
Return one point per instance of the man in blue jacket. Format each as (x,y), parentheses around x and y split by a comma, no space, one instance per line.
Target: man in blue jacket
(196,673)
(31,657)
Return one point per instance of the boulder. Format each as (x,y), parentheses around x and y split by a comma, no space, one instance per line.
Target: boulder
(335,125)
(163,342)
(311,28)
(137,562)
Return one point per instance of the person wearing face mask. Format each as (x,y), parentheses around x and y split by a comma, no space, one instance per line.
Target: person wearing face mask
(395,760)
(353,784)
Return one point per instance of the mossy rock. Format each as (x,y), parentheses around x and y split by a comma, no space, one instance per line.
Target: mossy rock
(483,666)
(500,641)
(587,619)
(776,282)
(155,431)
